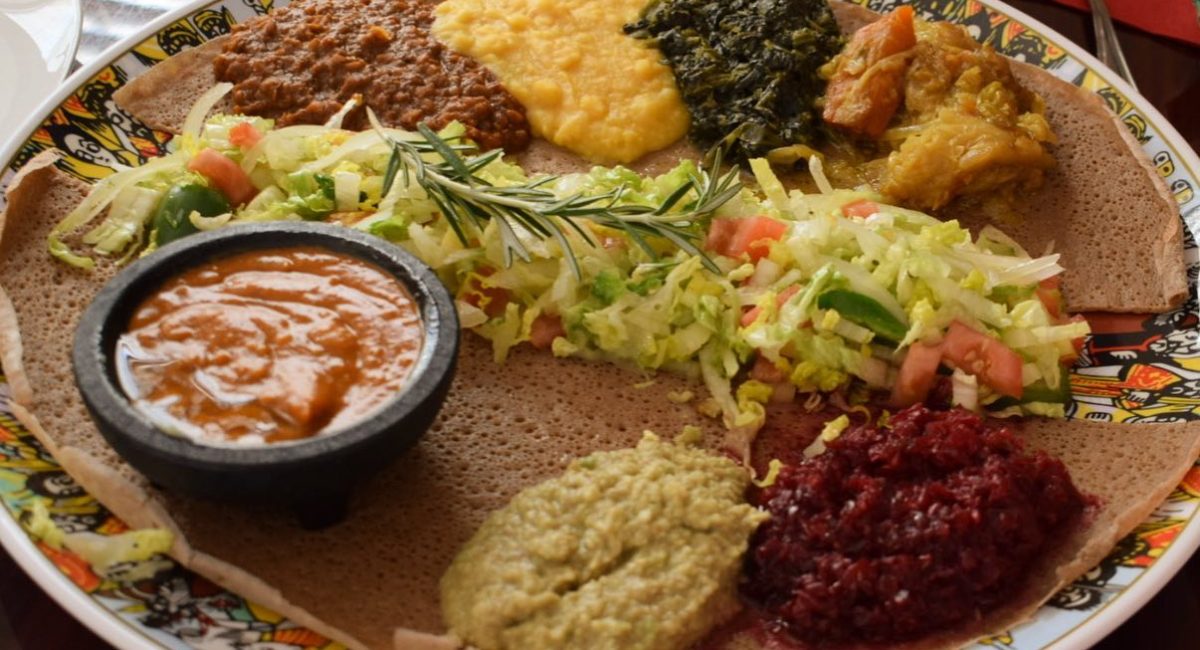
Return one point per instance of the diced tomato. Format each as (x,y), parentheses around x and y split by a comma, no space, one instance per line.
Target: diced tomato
(764,370)
(861,208)
(225,174)
(544,329)
(1050,295)
(756,235)
(244,136)
(990,360)
(917,374)
(492,300)
(720,234)
(750,236)
(1076,344)
(754,312)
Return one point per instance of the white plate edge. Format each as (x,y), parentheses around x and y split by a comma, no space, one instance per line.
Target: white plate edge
(84,607)
(1153,579)
(75,29)
(79,604)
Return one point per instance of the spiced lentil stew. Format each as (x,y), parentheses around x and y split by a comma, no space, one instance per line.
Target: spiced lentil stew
(301,63)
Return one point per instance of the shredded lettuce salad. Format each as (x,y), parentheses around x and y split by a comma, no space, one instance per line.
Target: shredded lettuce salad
(837,294)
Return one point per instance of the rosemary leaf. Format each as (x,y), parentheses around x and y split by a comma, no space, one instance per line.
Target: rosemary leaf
(448,154)
(675,197)
(465,198)
(393,166)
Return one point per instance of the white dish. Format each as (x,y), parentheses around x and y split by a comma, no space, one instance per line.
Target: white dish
(37,47)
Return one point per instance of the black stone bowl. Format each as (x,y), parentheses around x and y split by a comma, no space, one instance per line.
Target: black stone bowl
(314,477)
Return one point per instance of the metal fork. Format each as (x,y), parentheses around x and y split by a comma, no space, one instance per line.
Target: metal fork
(1108,49)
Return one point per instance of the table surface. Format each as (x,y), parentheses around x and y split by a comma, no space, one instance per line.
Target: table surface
(1168,74)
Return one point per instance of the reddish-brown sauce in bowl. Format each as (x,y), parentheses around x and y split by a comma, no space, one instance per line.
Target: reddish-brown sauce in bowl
(273,345)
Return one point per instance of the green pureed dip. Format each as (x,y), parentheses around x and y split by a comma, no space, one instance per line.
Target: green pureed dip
(636,548)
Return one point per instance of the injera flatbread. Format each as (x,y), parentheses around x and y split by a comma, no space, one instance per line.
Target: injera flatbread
(162,97)
(1104,207)
(503,427)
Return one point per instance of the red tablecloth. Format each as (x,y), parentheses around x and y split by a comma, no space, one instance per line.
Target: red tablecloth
(1173,18)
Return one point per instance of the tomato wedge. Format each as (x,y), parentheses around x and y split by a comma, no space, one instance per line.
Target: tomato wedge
(765,371)
(917,374)
(754,312)
(1051,296)
(861,208)
(226,175)
(243,135)
(544,329)
(990,360)
(751,236)
(720,234)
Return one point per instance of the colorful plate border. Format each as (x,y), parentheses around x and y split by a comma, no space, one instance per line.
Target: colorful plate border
(1137,371)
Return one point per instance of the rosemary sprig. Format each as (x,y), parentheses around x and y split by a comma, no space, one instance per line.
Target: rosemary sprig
(465,198)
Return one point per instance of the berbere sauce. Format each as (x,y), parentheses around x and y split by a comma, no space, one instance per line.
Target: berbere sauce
(894,532)
(302,62)
(273,345)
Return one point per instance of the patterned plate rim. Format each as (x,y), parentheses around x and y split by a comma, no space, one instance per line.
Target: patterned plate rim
(16,542)
(125,634)
(1134,596)
(80,76)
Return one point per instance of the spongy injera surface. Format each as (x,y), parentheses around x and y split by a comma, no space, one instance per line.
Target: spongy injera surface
(503,428)
(507,427)
(162,96)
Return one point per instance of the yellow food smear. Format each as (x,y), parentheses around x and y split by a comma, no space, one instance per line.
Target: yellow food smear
(586,86)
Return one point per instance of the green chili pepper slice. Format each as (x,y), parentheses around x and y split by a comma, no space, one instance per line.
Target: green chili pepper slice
(171,220)
(865,311)
(1038,391)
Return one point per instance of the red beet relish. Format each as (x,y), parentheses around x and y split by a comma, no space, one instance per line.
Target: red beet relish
(899,531)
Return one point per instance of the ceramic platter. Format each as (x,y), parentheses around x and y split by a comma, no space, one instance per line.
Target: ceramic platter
(1134,369)
(38,65)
